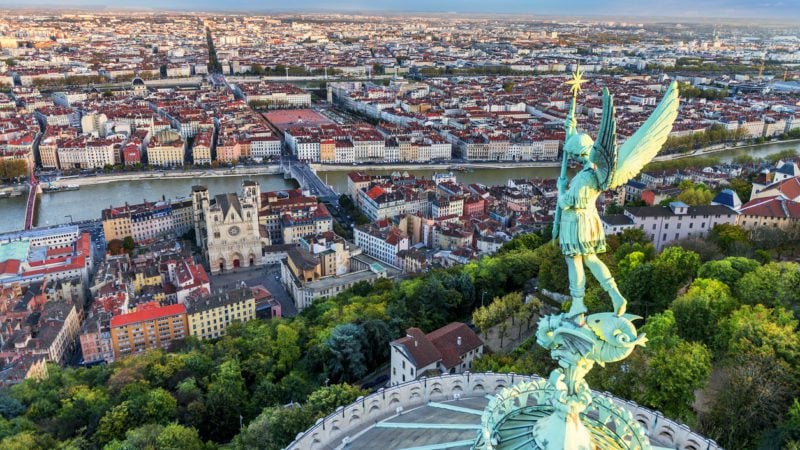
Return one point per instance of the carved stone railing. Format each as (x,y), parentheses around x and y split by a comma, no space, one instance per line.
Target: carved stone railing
(346,422)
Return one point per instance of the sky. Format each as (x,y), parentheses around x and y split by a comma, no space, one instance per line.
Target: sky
(770,9)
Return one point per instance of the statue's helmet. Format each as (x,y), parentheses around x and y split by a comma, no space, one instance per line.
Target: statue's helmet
(579,144)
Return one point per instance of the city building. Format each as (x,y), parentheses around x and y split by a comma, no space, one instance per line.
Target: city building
(151,326)
(95,339)
(209,316)
(666,224)
(30,256)
(772,212)
(148,220)
(381,241)
(227,228)
(166,148)
(448,350)
(308,276)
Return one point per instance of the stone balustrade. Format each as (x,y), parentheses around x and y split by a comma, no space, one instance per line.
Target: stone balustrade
(337,429)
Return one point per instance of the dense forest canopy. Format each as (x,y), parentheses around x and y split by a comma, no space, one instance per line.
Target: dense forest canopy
(722,309)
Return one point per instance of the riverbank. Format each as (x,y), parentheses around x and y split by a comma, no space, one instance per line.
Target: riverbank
(275,169)
(443,167)
(168,175)
(705,151)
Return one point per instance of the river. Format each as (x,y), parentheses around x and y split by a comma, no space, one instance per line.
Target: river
(491,177)
(90,200)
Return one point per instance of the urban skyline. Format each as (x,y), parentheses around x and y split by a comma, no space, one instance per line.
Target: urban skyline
(293,230)
(703,10)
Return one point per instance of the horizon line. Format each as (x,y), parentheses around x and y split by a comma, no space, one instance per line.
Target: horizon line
(105,9)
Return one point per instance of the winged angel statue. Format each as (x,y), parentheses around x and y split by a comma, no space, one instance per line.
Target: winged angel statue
(605,166)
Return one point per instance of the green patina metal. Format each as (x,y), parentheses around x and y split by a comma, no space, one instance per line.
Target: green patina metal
(562,413)
(455,408)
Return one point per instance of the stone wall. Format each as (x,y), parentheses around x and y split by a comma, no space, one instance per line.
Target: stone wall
(346,422)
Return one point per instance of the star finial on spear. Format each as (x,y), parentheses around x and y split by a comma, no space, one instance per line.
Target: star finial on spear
(576,81)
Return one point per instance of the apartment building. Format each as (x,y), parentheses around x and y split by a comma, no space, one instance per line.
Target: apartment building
(264,147)
(201,150)
(141,222)
(666,224)
(150,326)
(209,316)
(381,242)
(166,148)
(95,339)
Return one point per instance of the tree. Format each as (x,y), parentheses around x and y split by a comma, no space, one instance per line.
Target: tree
(502,331)
(144,437)
(672,376)
(274,428)
(153,406)
(661,330)
(347,354)
(114,423)
(9,406)
(553,274)
(482,320)
(83,407)
(526,241)
(707,250)
(226,400)
(128,244)
(728,236)
(377,337)
(650,287)
(257,69)
(13,168)
(664,374)
(754,395)
(728,270)
(179,437)
(758,330)
(701,309)
(788,435)
(780,241)
(287,347)
(326,399)
(27,440)
(695,194)
(774,284)
(742,187)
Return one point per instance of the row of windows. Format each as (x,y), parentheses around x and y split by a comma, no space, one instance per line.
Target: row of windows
(666,225)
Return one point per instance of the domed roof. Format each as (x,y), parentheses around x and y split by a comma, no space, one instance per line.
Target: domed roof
(137,82)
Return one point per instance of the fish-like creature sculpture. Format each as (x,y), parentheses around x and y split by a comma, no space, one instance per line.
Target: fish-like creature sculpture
(616,336)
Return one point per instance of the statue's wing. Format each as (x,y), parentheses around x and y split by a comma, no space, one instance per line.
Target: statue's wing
(604,152)
(642,147)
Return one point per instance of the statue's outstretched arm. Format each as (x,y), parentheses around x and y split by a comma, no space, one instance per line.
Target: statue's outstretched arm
(570,124)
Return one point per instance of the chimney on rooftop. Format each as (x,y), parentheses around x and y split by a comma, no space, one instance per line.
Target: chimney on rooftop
(458,341)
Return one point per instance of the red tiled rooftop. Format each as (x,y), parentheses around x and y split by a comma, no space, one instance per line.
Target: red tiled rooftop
(148,311)
(10,266)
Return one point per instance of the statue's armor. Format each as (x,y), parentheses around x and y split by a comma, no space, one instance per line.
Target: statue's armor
(580,229)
